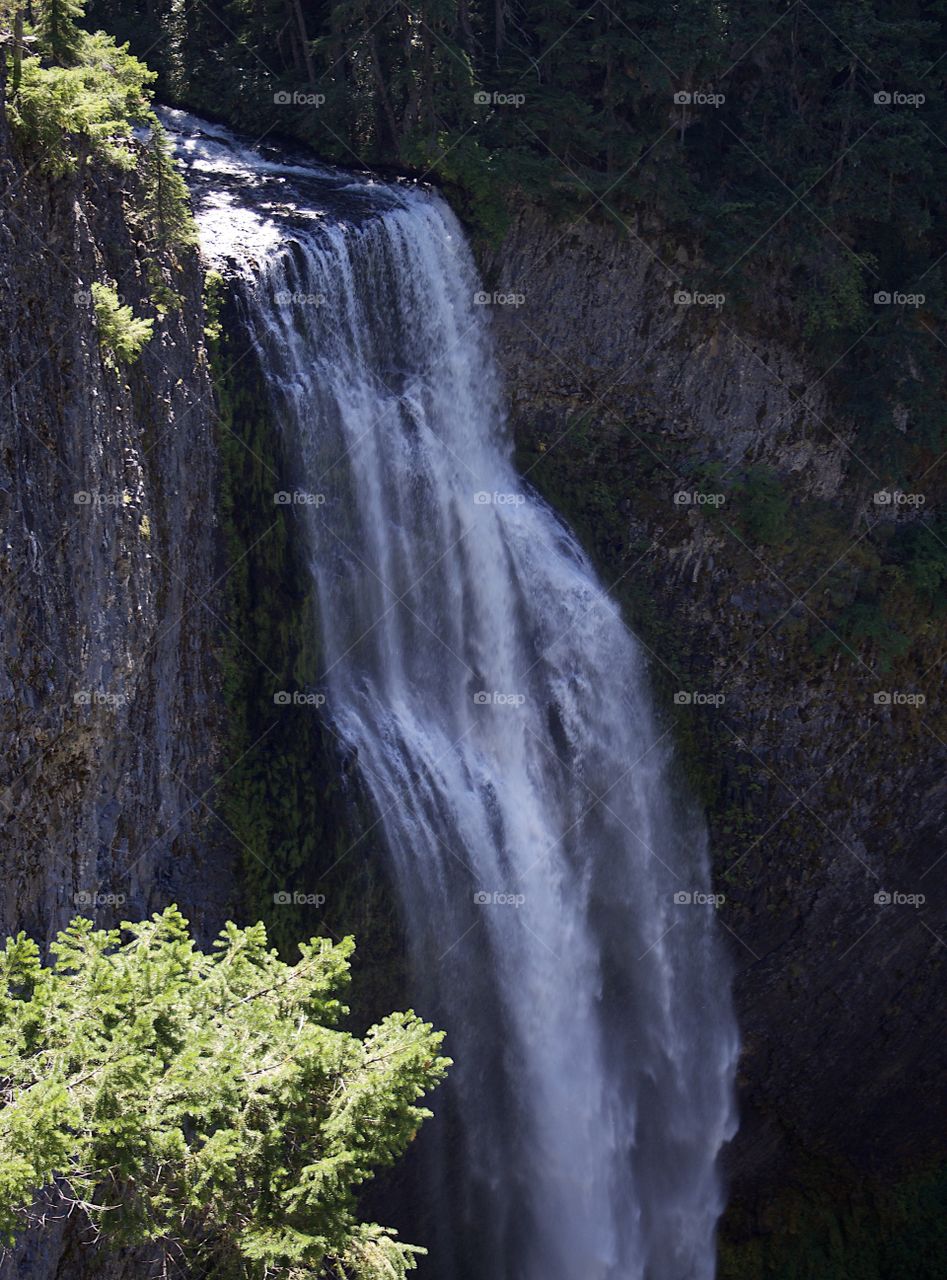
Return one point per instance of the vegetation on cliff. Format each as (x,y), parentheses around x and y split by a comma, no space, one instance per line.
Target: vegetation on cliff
(122,334)
(74,97)
(79,105)
(71,95)
(798,151)
(204,1103)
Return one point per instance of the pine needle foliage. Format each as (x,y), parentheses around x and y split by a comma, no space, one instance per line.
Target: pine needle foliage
(122,334)
(206,1103)
(81,101)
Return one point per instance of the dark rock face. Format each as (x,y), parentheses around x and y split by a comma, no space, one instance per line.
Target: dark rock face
(109,559)
(108,564)
(821,794)
(108,488)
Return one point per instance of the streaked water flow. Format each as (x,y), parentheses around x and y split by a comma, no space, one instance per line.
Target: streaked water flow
(500,713)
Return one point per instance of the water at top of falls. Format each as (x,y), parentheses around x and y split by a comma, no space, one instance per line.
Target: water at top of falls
(553,882)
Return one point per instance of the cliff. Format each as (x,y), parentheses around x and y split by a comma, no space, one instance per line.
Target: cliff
(108,585)
(723,496)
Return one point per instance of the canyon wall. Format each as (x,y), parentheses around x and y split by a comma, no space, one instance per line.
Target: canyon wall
(108,569)
(729,508)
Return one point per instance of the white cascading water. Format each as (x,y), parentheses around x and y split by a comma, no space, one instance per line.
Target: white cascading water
(500,714)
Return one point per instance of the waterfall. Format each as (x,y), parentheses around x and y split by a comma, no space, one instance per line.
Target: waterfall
(553,883)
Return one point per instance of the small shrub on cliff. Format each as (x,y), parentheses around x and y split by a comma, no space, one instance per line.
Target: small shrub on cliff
(122,334)
(924,552)
(213,303)
(204,1103)
(763,505)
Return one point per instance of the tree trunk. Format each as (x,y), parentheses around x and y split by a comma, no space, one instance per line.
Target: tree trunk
(17,51)
(382,90)
(466,30)
(304,40)
(836,186)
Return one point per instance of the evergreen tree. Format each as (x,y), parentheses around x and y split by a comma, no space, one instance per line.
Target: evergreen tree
(163,210)
(58,29)
(205,1103)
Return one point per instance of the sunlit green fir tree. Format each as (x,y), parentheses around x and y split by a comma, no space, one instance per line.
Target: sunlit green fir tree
(204,1104)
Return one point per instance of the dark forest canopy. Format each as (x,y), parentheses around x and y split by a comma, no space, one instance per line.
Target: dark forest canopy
(801,146)
(790,157)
